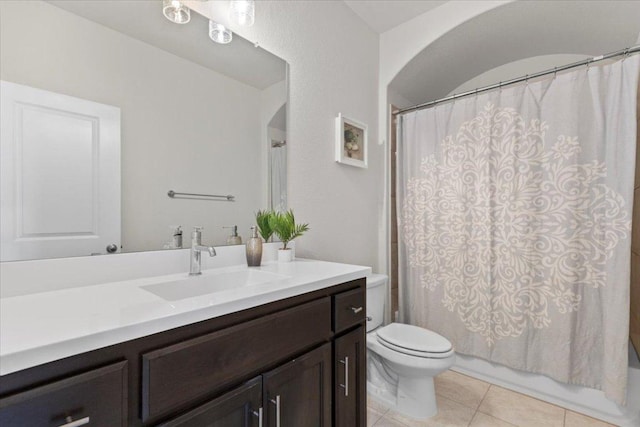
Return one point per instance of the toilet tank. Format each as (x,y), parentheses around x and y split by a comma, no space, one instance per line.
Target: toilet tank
(376,300)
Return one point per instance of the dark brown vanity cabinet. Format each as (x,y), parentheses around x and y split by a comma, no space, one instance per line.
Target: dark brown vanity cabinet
(296,362)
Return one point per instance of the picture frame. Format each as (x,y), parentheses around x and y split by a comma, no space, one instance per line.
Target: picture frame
(351,145)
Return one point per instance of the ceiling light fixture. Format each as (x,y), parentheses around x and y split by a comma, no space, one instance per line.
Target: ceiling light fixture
(175,11)
(219,33)
(242,12)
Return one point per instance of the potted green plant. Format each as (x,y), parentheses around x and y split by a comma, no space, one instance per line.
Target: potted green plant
(262,220)
(284,226)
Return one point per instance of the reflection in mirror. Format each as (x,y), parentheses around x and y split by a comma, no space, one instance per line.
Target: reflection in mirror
(278,159)
(107,106)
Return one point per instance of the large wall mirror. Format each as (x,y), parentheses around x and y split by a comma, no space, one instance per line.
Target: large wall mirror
(107,107)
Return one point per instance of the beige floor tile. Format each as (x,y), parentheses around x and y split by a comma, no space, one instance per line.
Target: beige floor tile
(574,419)
(375,411)
(484,420)
(373,416)
(378,407)
(524,411)
(450,414)
(388,422)
(461,388)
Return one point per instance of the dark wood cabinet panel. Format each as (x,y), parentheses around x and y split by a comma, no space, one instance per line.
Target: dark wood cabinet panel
(241,407)
(98,397)
(298,394)
(175,375)
(350,379)
(349,308)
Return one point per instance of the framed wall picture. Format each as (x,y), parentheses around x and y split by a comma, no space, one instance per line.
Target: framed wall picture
(351,142)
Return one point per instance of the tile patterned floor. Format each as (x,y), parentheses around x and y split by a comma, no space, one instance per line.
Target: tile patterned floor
(467,402)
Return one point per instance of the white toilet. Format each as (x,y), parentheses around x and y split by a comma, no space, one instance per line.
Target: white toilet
(402,359)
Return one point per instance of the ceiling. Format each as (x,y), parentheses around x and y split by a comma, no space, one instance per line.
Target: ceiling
(143,20)
(382,15)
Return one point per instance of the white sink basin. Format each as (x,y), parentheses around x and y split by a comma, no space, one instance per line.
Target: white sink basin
(209,283)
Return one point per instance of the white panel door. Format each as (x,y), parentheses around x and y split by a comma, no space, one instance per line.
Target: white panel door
(60,170)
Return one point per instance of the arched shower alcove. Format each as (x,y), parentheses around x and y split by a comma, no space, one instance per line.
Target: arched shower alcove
(475,47)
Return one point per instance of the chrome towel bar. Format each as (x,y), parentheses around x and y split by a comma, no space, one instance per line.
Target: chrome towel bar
(174,194)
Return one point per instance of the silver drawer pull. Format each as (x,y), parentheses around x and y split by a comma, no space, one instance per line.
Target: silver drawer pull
(356,310)
(345,386)
(276,402)
(258,414)
(76,423)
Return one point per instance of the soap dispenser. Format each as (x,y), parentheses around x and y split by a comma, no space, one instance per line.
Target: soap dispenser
(234,239)
(176,238)
(254,249)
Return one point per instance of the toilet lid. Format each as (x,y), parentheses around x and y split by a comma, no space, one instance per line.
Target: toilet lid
(413,338)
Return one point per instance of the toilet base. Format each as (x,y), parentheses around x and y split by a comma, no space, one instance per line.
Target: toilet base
(417,397)
(413,397)
(416,400)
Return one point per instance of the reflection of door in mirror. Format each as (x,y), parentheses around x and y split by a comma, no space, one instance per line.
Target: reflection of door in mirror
(278,159)
(60,187)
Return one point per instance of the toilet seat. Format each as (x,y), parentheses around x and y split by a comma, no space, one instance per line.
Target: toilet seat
(414,341)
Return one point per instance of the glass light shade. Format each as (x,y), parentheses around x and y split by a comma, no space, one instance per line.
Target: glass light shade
(242,12)
(219,33)
(175,11)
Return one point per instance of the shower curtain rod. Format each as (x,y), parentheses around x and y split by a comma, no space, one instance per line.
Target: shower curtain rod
(625,52)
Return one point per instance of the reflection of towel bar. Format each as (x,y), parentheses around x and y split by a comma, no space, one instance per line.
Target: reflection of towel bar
(173,194)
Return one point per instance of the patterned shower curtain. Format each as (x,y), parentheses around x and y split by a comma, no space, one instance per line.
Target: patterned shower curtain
(514,216)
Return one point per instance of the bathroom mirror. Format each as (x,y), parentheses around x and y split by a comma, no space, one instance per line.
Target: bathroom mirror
(107,106)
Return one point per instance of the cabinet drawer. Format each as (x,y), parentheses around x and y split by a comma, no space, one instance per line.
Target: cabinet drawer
(175,376)
(348,309)
(97,398)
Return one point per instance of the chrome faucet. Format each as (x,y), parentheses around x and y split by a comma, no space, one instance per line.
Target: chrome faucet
(196,250)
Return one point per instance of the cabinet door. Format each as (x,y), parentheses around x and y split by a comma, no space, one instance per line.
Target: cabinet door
(241,407)
(350,379)
(298,394)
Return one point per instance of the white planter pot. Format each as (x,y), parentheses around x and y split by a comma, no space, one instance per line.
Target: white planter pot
(285,255)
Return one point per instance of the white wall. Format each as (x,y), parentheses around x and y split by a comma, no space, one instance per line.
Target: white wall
(396,99)
(517,69)
(333,63)
(184,127)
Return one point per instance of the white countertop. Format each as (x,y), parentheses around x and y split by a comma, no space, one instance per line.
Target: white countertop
(42,327)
